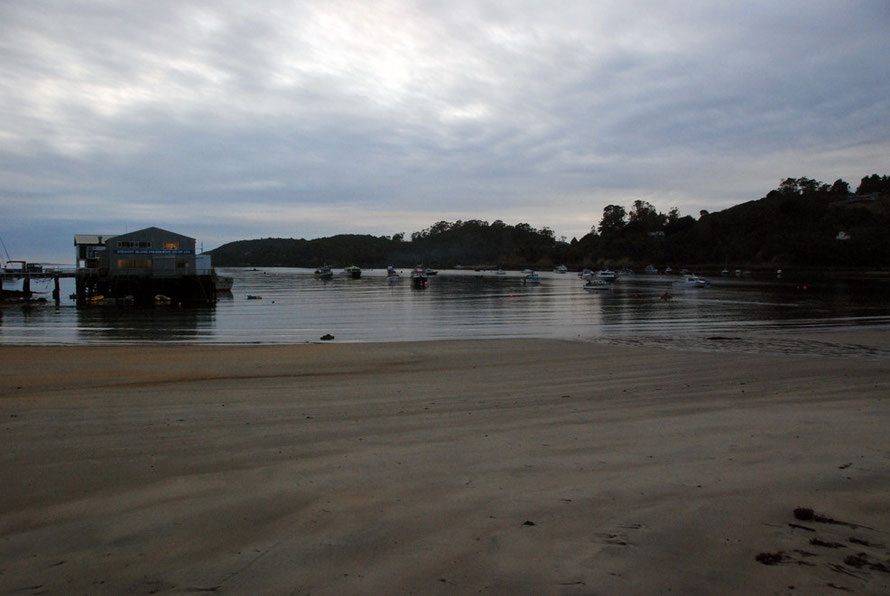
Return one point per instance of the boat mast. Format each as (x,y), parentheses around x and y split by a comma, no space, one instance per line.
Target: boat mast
(4,249)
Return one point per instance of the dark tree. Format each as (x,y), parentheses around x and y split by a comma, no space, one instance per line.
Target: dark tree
(840,187)
(872,184)
(613,219)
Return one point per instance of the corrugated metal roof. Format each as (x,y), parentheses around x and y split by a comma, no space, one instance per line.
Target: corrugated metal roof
(92,238)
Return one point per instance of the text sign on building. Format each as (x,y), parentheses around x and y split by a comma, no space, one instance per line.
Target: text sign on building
(154,252)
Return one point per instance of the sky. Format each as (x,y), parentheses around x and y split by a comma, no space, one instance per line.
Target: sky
(231,120)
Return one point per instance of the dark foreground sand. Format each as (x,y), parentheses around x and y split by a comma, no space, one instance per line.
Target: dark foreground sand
(494,467)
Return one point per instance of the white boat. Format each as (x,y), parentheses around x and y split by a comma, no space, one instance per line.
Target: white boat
(561,269)
(650,269)
(587,274)
(324,272)
(222,283)
(419,277)
(595,285)
(693,281)
(392,275)
(607,275)
(531,278)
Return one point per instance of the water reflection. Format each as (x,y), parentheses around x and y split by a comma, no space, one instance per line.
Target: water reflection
(291,306)
(103,324)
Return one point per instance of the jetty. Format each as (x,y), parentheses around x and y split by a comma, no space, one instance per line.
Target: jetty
(148,266)
(26,272)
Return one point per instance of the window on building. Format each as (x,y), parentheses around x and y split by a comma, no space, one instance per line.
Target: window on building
(134,263)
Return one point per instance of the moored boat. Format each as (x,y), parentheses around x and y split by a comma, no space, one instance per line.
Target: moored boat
(595,285)
(222,283)
(392,275)
(693,281)
(353,271)
(419,277)
(324,272)
(531,278)
(607,275)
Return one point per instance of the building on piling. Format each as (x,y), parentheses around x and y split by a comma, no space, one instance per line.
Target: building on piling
(142,267)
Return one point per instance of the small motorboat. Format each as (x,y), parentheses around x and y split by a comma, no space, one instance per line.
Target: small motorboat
(595,285)
(392,275)
(419,277)
(531,278)
(561,269)
(222,283)
(607,275)
(324,272)
(353,271)
(693,281)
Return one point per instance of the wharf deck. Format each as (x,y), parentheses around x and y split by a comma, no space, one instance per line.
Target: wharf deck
(26,276)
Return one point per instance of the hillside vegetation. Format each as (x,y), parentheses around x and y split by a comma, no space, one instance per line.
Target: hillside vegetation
(803,223)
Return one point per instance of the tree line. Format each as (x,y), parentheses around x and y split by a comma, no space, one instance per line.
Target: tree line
(803,222)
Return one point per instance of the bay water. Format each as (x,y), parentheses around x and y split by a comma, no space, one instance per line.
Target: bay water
(289,305)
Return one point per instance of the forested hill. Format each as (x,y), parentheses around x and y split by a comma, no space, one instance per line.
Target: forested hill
(801,223)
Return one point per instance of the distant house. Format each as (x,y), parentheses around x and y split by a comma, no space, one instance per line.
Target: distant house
(874,196)
(90,250)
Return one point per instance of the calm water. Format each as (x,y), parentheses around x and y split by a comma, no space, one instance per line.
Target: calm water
(296,308)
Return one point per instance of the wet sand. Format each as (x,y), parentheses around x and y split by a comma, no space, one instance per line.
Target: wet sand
(494,467)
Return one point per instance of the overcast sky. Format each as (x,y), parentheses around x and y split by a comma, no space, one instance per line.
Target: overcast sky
(229,120)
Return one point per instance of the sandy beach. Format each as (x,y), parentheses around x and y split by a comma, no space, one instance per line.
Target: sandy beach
(462,467)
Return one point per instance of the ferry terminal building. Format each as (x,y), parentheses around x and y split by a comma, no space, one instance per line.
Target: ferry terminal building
(141,267)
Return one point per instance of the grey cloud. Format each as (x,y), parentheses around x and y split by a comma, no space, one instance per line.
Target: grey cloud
(191,111)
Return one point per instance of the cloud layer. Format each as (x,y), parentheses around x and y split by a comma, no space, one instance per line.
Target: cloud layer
(231,120)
